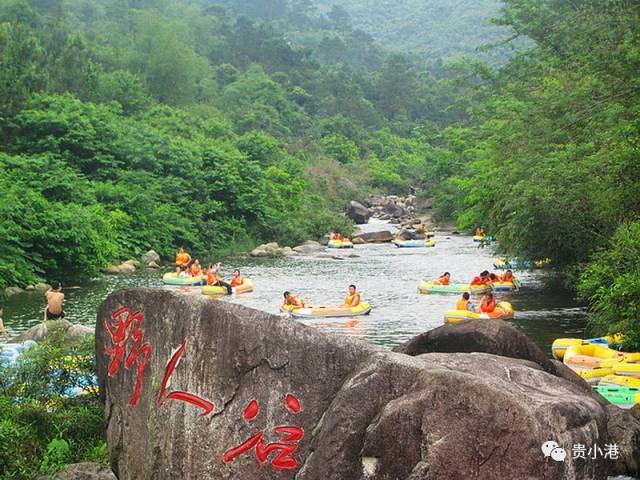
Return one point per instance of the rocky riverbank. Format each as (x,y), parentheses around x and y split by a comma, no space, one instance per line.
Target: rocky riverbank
(476,400)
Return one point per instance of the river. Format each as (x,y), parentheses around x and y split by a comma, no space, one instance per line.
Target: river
(387,276)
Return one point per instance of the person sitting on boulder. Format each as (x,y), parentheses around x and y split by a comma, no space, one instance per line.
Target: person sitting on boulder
(196,269)
(353,299)
(443,279)
(482,279)
(290,300)
(182,258)
(464,303)
(55,299)
(236,279)
(488,303)
(3,330)
(214,278)
(508,277)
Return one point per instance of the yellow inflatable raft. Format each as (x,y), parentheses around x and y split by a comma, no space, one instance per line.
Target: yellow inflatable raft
(594,375)
(589,356)
(216,290)
(304,312)
(503,311)
(627,369)
(429,286)
(620,380)
(560,345)
(172,278)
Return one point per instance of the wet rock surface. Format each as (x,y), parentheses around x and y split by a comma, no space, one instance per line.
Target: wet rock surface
(363,412)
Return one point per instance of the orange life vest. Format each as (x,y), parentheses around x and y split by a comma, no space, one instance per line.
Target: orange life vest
(478,280)
(508,277)
(195,270)
(488,305)
(352,300)
(182,259)
(443,280)
(235,281)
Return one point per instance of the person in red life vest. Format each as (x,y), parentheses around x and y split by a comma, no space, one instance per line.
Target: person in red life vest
(488,303)
(443,279)
(236,279)
(196,269)
(508,277)
(482,279)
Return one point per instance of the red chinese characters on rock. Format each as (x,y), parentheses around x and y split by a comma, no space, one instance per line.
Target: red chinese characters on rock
(285,448)
(127,336)
(178,395)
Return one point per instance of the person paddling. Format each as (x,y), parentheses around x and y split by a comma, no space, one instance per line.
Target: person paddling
(353,299)
(55,299)
(215,278)
(443,279)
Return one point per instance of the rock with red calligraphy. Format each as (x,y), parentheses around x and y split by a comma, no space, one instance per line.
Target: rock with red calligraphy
(197,388)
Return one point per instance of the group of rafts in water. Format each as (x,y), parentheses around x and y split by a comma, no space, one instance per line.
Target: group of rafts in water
(189,273)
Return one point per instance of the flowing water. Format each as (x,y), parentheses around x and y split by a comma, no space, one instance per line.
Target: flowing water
(387,276)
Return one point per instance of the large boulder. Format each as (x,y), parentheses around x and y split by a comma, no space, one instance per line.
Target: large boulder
(217,390)
(150,257)
(82,471)
(395,210)
(624,431)
(43,330)
(308,247)
(375,237)
(495,337)
(9,291)
(358,213)
(42,287)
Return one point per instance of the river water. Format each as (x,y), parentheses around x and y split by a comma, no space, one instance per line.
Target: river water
(387,276)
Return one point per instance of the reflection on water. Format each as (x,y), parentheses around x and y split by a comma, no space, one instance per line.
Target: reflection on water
(387,276)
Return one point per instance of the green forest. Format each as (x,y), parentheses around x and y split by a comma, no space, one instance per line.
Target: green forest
(127,125)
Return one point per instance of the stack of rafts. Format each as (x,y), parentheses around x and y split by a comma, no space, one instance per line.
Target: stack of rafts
(614,375)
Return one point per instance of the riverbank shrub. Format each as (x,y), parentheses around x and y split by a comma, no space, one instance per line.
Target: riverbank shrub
(611,285)
(41,427)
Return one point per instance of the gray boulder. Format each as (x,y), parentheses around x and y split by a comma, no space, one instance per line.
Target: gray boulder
(375,237)
(153,266)
(9,291)
(357,412)
(149,257)
(43,330)
(395,210)
(624,431)
(308,247)
(42,287)
(358,213)
(495,337)
(82,471)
